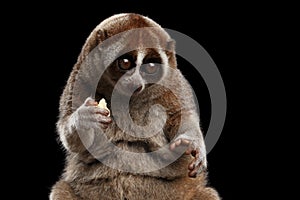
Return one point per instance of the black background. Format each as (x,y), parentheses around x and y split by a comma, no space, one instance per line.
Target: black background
(48,40)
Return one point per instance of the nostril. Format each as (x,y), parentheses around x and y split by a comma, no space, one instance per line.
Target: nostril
(139,89)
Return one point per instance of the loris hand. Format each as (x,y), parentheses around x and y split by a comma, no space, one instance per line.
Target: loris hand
(89,115)
(193,148)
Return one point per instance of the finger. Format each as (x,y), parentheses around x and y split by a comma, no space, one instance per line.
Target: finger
(191,166)
(178,142)
(196,170)
(90,102)
(185,142)
(172,146)
(193,174)
(104,126)
(189,151)
(104,120)
(102,111)
(196,160)
(175,144)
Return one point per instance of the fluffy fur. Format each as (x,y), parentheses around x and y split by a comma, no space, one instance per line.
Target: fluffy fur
(84,176)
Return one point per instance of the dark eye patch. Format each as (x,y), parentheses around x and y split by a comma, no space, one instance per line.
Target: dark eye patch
(152,57)
(150,68)
(126,62)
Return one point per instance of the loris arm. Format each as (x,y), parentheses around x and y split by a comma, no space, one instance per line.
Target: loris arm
(76,131)
(190,135)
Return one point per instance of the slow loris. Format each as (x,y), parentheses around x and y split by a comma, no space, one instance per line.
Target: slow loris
(148,144)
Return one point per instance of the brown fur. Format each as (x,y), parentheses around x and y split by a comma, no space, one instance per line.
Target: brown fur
(87,178)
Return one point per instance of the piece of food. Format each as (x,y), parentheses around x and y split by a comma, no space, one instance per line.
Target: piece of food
(102,104)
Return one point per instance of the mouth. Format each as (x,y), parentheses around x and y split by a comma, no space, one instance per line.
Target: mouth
(138,90)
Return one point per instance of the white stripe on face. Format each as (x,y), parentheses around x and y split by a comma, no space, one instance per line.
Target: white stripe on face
(139,61)
(164,62)
(140,57)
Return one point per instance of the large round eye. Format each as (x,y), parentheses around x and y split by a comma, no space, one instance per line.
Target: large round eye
(150,68)
(124,63)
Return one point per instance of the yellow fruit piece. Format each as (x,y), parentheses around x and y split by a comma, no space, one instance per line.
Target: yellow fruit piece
(102,104)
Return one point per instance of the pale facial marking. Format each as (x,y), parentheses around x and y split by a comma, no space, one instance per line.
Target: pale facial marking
(165,62)
(139,61)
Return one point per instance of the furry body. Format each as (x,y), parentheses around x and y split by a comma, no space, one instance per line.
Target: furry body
(87,178)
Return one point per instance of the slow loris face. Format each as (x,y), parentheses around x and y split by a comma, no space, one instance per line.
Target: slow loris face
(137,70)
(136,54)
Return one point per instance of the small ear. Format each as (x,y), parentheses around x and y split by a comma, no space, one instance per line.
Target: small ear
(170,51)
(101,35)
(171,45)
(170,48)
